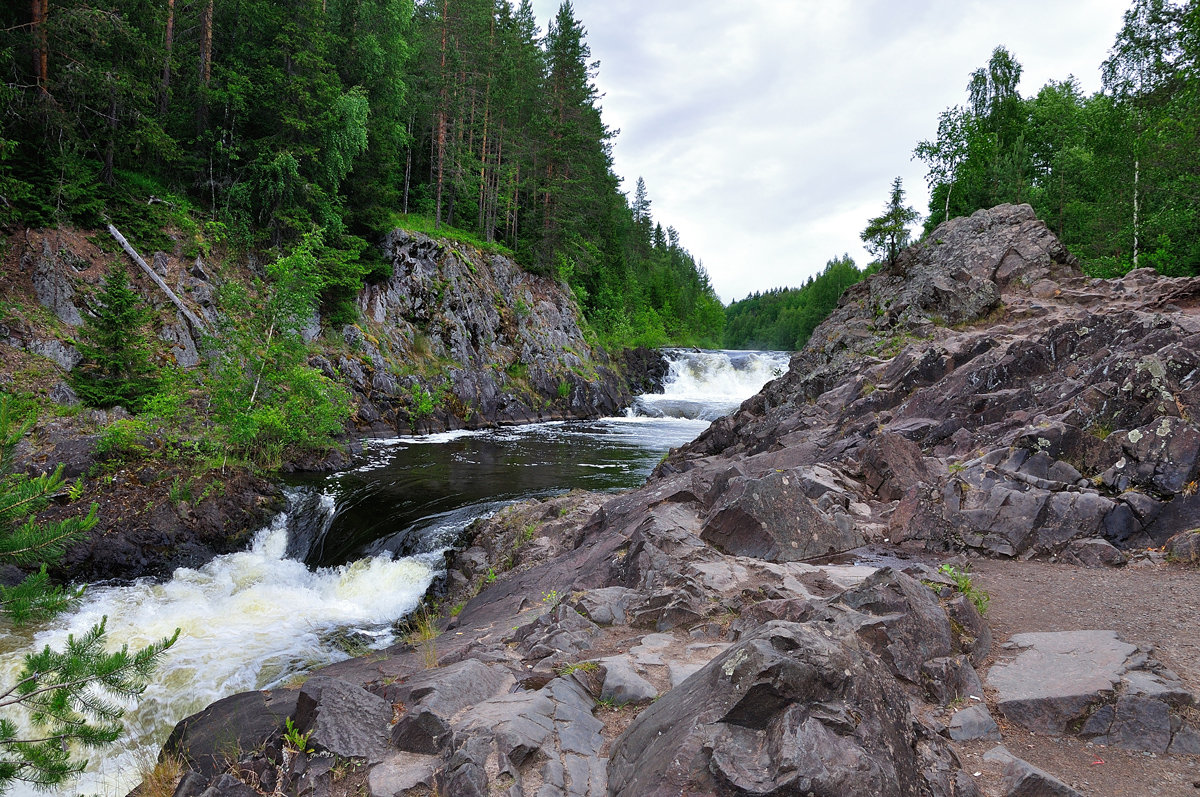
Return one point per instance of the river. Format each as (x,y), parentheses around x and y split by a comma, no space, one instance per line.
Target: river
(357,549)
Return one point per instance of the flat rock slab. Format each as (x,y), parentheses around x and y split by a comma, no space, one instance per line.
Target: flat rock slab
(1093,685)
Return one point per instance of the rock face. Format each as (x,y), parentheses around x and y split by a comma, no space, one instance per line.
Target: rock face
(512,339)
(985,395)
(453,338)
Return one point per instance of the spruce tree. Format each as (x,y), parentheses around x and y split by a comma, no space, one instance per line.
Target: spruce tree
(886,235)
(70,698)
(116,367)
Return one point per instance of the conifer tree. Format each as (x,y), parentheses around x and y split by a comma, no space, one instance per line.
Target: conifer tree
(116,367)
(73,697)
(886,235)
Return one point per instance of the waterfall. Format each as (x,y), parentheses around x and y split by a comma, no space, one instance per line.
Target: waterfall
(706,385)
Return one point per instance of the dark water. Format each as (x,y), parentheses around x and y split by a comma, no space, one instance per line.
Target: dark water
(414,495)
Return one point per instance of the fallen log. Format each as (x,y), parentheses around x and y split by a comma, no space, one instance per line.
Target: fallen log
(193,320)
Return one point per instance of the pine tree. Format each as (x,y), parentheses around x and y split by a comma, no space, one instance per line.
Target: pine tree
(71,697)
(886,235)
(116,367)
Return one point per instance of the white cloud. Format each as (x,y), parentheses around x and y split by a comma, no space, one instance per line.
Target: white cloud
(768,132)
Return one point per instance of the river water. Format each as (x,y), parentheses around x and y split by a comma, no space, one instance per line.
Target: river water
(356,550)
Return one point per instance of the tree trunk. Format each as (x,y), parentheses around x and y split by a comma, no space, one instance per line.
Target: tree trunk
(206,26)
(164,88)
(39,10)
(1137,164)
(441,122)
(408,164)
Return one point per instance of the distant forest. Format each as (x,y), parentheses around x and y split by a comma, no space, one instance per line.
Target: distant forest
(259,125)
(783,319)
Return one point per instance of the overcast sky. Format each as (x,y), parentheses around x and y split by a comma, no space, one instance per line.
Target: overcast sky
(769,131)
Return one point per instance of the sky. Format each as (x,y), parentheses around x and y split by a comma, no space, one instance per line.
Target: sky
(769,131)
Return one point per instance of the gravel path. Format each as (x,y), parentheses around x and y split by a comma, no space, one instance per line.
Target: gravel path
(1145,603)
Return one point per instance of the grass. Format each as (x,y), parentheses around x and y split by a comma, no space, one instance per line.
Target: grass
(963,583)
(422,635)
(415,222)
(582,666)
(159,778)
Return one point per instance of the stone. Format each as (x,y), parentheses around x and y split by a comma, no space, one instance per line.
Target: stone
(52,286)
(622,685)
(973,722)
(63,394)
(892,465)
(1092,685)
(243,721)
(771,518)
(1022,779)
(1184,547)
(343,718)
(1094,553)
(789,710)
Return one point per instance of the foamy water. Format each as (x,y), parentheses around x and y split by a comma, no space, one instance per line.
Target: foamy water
(249,620)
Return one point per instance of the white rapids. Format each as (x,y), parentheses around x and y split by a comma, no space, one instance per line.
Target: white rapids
(249,620)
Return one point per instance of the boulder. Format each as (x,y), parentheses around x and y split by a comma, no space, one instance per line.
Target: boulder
(244,721)
(973,722)
(791,710)
(771,518)
(343,718)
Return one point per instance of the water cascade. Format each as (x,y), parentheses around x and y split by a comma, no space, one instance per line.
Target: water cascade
(356,550)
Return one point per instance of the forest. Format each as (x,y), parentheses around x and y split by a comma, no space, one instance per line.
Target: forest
(258,126)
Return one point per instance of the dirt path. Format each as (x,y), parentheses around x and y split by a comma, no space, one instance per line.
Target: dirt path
(1146,604)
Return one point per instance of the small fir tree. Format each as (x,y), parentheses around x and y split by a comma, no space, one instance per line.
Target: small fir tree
(71,698)
(886,235)
(116,367)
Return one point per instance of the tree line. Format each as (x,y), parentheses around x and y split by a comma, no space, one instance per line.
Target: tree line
(275,120)
(1116,174)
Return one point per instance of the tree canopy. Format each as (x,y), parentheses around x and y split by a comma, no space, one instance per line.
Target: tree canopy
(1114,174)
(276,120)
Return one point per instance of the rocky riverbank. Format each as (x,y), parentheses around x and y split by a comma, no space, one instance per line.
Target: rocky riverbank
(453,338)
(982,398)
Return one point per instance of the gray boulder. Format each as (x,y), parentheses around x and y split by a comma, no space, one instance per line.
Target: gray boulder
(771,518)
(1092,685)
(792,710)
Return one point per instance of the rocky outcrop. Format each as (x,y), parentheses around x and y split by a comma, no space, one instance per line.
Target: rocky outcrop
(984,395)
(453,338)
(459,338)
(981,397)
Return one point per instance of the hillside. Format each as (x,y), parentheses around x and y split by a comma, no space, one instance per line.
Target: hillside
(980,398)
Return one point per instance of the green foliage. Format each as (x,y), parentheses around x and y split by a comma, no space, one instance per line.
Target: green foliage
(352,117)
(964,584)
(72,699)
(116,367)
(294,739)
(887,234)
(784,318)
(1113,174)
(267,402)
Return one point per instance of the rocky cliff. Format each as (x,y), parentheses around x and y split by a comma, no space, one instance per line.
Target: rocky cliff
(484,340)
(693,637)
(453,338)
